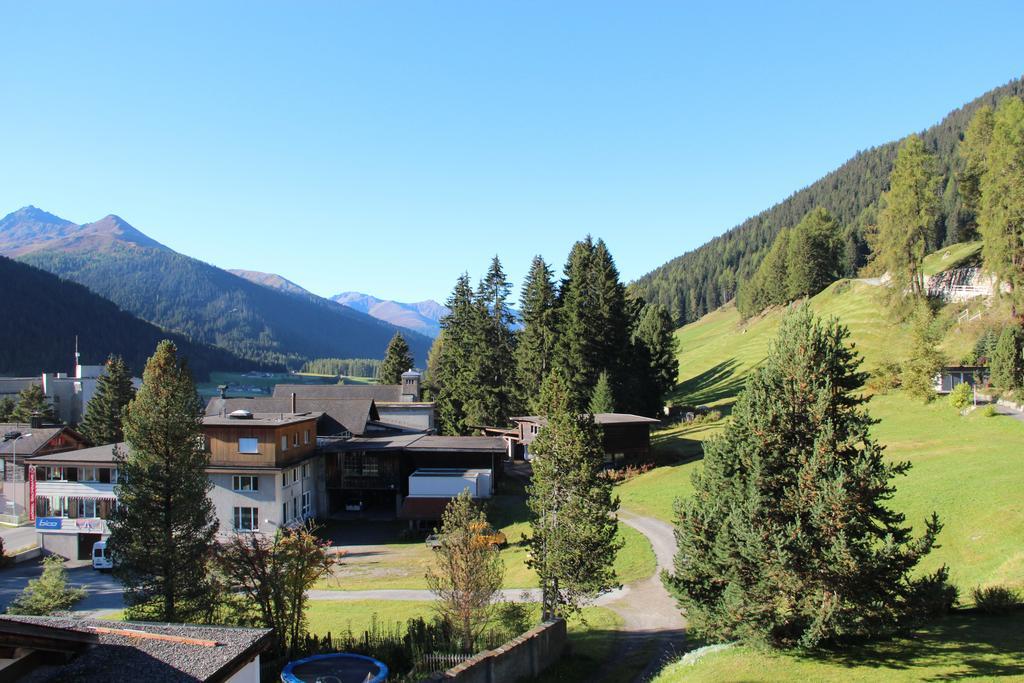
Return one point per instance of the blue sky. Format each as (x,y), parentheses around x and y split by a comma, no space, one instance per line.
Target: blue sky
(387,147)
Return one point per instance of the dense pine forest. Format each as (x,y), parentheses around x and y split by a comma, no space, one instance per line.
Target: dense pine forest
(44,313)
(702,280)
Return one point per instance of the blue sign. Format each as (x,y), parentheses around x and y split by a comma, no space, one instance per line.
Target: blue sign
(48,522)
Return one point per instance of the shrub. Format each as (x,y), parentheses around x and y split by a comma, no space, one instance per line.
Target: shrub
(885,378)
(995,599)
(961,396)
(5,559)
(513,617)
(989,410)
(47,594)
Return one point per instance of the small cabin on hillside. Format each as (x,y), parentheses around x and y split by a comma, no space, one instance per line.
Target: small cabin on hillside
(949,377)
(625,437)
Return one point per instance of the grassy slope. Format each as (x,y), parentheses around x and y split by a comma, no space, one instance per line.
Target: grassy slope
(970,470)
(962,646)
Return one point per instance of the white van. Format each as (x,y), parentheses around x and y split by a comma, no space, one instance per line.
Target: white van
(101,557)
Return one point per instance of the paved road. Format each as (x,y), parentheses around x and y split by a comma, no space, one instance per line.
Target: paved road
(104,593)
(16,538)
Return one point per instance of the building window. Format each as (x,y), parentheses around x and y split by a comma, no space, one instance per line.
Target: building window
(359,464)
(248,445)
(284,442)
(295,508)
(307,503)
(295,475)
(245,482)
(115,475)
(295,439)
(305,471)
(88,474)
(87,507)
(50,473)
(284,478)
(284,512)
(305,437)
(247,519)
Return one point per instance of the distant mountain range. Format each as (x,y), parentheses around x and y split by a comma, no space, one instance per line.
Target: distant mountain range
(45,313)
(422,316)
(266,322)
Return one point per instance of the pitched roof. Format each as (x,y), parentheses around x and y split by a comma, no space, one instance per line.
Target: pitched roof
(27,445)
(269,419)
(155,653)
(337,414)
(382,393)
(420,443)
(97,454)
(599,418)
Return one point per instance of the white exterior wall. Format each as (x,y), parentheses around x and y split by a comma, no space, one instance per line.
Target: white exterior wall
(250,673)
(276,489)
(450,486)
(414,416)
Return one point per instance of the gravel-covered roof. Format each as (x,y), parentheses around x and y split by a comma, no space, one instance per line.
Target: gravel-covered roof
(118,656)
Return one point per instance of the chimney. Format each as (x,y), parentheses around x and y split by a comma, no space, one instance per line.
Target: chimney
(411,386)
(293,403)
(36,421)
(223,388)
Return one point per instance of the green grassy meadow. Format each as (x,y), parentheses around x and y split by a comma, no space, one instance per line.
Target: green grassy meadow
(961,646)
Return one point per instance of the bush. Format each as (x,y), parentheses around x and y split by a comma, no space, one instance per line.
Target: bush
(5,559)
(961,396)
(47,594)
(885,378)
(989,410)
(995,599)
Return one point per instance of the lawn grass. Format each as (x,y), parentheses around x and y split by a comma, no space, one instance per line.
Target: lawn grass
(403,565)
(970,470)
(975,646)
(953,256)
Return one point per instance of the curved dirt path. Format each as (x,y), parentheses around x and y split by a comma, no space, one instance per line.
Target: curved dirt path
(651,618)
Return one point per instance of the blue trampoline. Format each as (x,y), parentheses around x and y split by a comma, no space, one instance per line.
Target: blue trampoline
(335,668)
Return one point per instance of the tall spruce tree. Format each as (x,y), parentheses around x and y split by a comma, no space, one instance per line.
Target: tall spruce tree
(162,532)
(812,258)
(114,391)
(1001,218)
(493,395)
(32,403)
(656,367)
(573,526)
(397,359)
(536,347)
(906,223)
(973,156)
(787,537)
(454,377)
(1007,361)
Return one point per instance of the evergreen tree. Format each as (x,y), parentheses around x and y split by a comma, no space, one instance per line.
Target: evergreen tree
(602,400)
(454,378)
(6,409)
(397,359)
(32,401)
(594,322)
(654,353)
(906,223)
(493,396)
(573,525)
(918,372)
(769,286)
(537,339)
(431,385)
(162,532)
(973,153)
(787,538)
(103,415)
(49,593)
(812,258)
(1001,218)
(1007,360)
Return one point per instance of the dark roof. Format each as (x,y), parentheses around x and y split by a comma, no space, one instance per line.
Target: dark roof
(599,418)
(338,414)
(419,442)
(133,656)
(421,507)
(29,444)
(260,419)
(97,454)
(382,393)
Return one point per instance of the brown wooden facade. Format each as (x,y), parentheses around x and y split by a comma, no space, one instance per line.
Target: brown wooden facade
(277,445)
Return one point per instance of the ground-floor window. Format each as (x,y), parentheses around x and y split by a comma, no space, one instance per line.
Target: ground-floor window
(246,519)
(307,503)
(88,507)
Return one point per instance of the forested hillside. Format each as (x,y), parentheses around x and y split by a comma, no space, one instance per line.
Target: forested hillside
(44,313)
(702,280)
(200,301)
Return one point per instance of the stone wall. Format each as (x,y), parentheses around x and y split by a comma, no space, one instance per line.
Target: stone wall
(522,658)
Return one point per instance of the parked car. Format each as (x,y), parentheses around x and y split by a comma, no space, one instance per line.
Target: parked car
(101,558)
(485,533)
